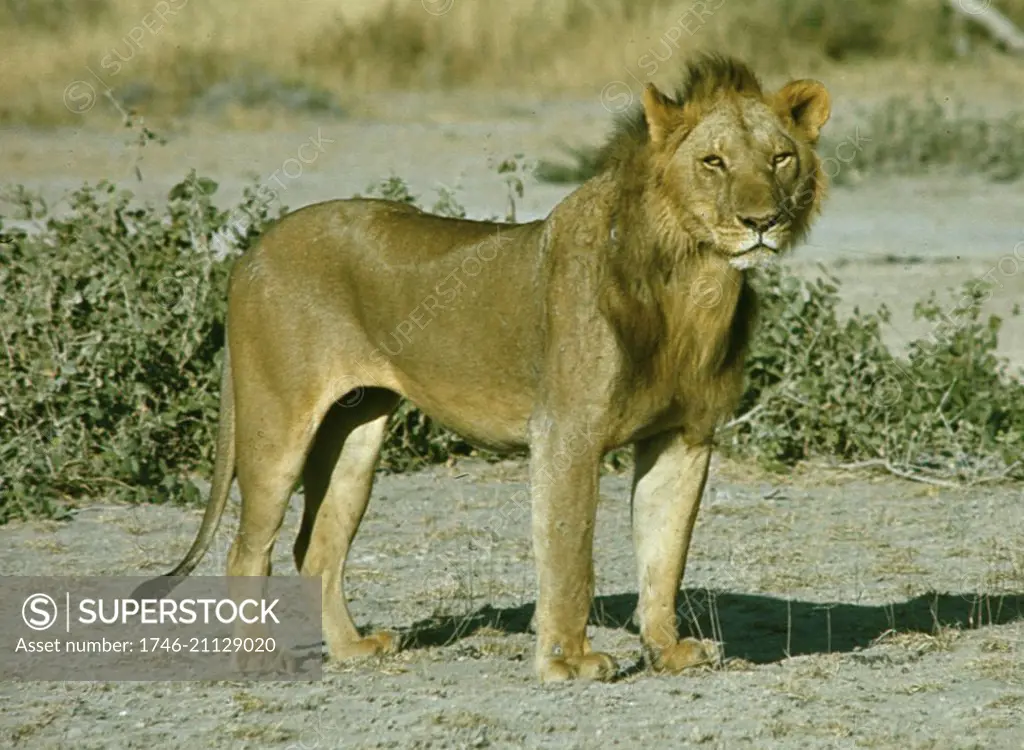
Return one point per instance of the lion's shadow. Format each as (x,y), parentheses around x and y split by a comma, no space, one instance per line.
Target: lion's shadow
(758,628)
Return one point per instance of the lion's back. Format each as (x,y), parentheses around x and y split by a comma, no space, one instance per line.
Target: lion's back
(386,231)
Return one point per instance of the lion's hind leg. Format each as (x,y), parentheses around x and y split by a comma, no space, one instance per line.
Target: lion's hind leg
(273,436)
(338,479)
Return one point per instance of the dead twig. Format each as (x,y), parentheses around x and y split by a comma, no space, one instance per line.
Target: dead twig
(999,27)
(743,418)
(912,475)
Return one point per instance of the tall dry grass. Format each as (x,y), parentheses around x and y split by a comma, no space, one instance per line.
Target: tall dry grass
(168,53)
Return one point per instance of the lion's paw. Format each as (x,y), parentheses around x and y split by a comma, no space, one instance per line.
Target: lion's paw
(592,666)
(375,644)
(684,654)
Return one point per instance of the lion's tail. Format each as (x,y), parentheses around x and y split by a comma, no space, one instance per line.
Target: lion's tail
(223,474)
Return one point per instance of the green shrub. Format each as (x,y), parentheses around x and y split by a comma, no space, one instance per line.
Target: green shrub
(112,326)
(819,386)
(112,333)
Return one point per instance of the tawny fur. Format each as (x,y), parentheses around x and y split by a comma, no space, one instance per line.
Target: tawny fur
(621,318)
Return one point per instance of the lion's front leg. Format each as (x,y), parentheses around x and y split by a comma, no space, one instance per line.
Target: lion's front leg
(667,487)
(564,471)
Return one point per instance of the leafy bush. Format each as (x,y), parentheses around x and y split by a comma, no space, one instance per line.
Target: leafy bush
(819,386)
(112,333)
(112,326)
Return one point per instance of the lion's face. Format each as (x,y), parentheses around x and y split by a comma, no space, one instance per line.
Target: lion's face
(743,168)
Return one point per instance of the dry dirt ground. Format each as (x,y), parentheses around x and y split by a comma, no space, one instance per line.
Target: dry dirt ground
(853,612)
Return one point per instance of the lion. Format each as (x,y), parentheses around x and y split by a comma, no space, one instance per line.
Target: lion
(621,318)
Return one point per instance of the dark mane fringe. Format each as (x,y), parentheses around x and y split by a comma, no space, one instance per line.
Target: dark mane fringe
(709,75)
(706,77)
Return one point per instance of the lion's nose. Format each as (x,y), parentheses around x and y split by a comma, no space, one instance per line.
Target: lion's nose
(761,223)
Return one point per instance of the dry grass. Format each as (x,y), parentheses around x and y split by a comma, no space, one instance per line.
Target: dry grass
(940,640)
(999,668)
(260,734)
(1010,700)
(167,55)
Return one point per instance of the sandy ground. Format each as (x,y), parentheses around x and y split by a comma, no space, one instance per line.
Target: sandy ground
(854,613)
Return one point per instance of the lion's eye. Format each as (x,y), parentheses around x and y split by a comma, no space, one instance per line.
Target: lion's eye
(714,161)
(779,159)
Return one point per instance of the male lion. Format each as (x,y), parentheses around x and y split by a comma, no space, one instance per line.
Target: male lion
(623,317)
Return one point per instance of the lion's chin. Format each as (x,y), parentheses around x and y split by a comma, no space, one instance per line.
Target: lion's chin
(752,257)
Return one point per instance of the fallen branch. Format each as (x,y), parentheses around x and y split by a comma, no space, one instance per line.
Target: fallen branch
(881,463)
(1001,28)
(745,418)
(920,477)
(920,474)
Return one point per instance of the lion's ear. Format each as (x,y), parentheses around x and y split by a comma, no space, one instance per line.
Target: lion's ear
(658,112)
(807,104)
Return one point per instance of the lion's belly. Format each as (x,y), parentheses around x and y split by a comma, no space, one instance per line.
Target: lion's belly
(496,421)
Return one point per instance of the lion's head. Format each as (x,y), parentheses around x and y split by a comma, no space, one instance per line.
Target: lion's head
(727,167)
